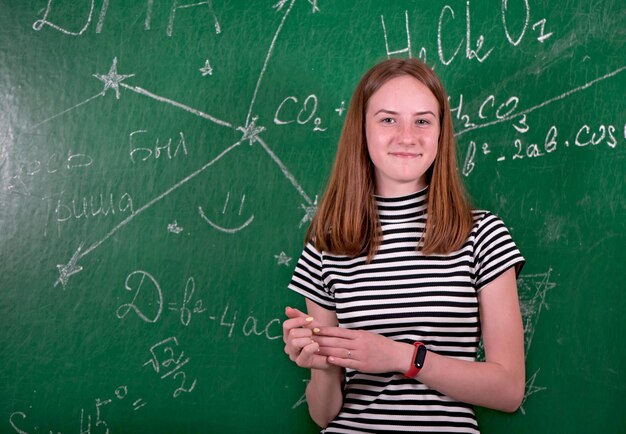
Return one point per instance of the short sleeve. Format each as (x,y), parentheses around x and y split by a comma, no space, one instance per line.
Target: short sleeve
(494,251)
(307,278)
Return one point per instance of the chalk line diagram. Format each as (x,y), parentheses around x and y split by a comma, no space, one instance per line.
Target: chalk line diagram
(250,132)
(532,289)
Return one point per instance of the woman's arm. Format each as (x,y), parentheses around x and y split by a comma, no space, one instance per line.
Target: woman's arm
(324,391)
(497,383)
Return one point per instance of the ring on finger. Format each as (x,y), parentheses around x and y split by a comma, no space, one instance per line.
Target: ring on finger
(349,354)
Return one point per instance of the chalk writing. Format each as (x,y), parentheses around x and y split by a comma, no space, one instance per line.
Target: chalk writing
(99,205)
(544,103)
(88,423)
(540,25)
(167,360)
(494,109)
(474,50)
(100,423)
(249,129)
(93,207)
(488,110)
(184,309)
(176,6)
(152,293)
(407,49)
(63,278)
(148,301)
(603,135)
(146,152)
(28,171)
(40,23)
(469,164)
(341,109)
(306,113)
(70,10)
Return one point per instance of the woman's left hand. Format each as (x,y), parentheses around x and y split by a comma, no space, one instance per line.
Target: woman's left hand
(363,351)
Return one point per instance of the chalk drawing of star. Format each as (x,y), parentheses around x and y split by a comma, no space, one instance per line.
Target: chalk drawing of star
(69,269)
(282,259)
(206,69)
(112,80)
(533,289)
(309,212)
(531,389)
(174,228)
(281,4)
(251,130)
(314,4)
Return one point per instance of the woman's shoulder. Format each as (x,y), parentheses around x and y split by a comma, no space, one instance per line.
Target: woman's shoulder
(485,219)
(480,215)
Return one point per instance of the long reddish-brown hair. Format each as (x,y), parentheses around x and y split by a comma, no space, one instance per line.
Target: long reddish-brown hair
(346,221)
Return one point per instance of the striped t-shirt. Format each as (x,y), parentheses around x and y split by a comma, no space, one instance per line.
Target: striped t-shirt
(407,296)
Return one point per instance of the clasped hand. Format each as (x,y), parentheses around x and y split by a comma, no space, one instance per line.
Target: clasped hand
(320,347)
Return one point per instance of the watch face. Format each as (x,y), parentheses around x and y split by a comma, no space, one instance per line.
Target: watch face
(420,356)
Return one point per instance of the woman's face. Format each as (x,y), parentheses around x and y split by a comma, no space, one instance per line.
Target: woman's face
(402,133)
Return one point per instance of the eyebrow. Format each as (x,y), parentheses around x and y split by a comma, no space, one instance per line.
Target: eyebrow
(391,112)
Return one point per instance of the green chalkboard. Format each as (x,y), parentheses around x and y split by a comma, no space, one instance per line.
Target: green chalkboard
(160,162)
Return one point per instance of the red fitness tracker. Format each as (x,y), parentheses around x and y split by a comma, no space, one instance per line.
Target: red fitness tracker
(418,360)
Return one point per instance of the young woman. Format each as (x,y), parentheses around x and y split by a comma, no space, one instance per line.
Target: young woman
(401,277)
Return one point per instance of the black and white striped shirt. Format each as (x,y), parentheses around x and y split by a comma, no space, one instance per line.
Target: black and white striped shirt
(407,296)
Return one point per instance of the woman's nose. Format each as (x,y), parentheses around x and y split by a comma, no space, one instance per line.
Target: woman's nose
(406,134)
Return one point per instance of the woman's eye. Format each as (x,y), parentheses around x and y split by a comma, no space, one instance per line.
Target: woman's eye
(387,120)
(422,122)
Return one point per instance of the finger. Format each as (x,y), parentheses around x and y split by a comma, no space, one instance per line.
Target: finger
(296,339)
(300,333)
(302,342)
(293,313)
(308,354)
(326,341)
(296,346)
(339,353)
(299,321)
(295,323)
(338,332)
(343,362)
(296,333)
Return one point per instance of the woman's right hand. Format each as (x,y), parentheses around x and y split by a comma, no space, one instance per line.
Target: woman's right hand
(300,345)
